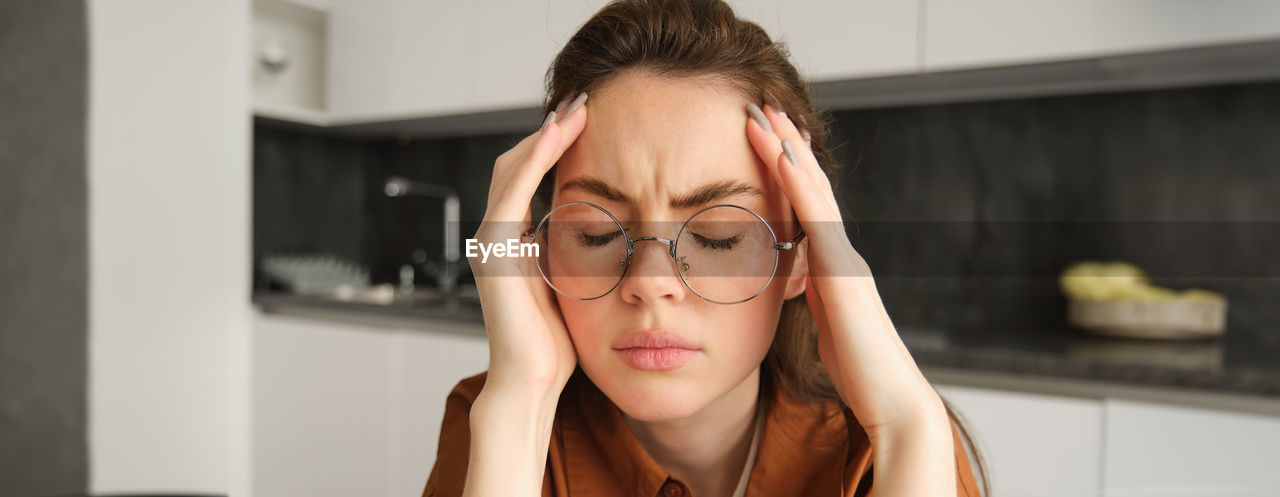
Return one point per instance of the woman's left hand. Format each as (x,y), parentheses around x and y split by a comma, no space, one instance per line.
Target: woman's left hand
(868,364)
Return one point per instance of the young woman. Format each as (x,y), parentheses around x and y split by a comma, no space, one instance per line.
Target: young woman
(681,333)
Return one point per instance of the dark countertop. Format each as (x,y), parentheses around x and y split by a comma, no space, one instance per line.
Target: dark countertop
(463,317)
(1237,363)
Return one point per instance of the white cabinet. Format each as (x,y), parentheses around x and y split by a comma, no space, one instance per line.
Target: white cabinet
(515,44)
(321,419)
(413,59)
(975,33)
(394,59)
(1033,445)
(289,56)
(832,40)
(397,59)
(1047,445)
(341,410)
(431,364)
(1161,450)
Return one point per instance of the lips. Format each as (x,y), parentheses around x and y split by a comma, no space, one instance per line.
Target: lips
(651,339)
(653,350)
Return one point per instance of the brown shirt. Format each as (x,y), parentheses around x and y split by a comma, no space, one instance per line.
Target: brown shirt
(804,450)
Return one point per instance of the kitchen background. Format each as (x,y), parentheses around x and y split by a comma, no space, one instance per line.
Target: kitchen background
(986,201)
(156,156)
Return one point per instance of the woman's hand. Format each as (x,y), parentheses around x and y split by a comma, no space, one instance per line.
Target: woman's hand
(529,347)
(530,354)
(860,349)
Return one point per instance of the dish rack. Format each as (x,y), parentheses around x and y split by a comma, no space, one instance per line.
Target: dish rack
(315,274)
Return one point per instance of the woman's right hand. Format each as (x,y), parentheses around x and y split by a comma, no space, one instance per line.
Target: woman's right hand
(530,351)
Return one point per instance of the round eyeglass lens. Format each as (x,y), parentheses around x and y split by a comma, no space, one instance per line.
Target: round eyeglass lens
(581,250)
(726,254)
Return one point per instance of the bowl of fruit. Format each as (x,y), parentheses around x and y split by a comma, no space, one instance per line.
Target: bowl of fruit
(1117,299)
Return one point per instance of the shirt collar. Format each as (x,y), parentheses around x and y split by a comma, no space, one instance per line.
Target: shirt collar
(803,448)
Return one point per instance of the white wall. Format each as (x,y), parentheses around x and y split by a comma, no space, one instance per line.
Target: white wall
(169,188)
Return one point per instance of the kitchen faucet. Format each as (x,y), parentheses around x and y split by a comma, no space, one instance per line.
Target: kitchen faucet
(399,186)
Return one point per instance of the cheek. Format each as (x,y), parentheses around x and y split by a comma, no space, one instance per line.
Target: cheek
(587,322)
(750,327)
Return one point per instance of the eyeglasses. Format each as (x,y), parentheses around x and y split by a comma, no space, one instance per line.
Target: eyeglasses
(724,253)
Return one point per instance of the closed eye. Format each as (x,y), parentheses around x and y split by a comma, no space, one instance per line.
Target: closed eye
(717,243)
(597,240)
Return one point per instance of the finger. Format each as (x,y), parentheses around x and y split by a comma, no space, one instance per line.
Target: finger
(571,120)
(814,210)
(768,145)
(813,202)
(786,130)
(763,140)
(557,136)
(514,196)
(830,252)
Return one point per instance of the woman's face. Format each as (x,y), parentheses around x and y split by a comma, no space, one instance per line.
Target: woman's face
(650,140)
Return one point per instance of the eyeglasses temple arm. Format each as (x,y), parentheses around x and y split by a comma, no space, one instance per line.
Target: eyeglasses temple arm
(788,245)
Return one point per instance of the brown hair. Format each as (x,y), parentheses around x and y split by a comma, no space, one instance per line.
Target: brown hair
(683,38)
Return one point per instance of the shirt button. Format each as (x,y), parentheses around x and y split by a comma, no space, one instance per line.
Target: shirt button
(671,489)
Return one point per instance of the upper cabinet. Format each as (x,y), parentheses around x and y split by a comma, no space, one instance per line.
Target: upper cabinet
(289,56)
(833,40)
(515,44)
(961,34)
(397,60)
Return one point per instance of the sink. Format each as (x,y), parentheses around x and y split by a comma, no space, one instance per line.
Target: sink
(435,300)
(387,296)
(426,296)
(426,308)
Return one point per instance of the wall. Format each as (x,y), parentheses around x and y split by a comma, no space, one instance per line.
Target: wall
(968,212)
(169,311)
(43,249)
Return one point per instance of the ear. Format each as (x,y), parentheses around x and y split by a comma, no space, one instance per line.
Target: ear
(799,270)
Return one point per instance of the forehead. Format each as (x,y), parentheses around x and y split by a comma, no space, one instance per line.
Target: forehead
(654,137)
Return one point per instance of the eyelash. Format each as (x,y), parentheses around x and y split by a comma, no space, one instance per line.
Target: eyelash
(717,243)
(708,243)
(597,240)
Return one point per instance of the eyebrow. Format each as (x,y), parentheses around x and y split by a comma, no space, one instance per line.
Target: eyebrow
(699,196)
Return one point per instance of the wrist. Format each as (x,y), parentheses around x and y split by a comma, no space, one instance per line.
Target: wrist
(509,403)
(510,434)
(915,457)
(926,416)
(515,391)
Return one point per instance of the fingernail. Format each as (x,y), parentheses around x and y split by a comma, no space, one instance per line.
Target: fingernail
(758,115)
(551,116)
(783,113)
(563,103)
(577,102)
(808,138)
(791,154)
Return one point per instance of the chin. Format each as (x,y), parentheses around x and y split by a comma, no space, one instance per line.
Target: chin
(651,396)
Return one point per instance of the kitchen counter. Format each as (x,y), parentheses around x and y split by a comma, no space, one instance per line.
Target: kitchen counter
(1244,365)
(461,317)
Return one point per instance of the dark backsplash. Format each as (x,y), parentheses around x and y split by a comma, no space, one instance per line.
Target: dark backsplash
(966,212)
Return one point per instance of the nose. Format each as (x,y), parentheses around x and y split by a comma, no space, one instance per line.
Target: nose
(651,275)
